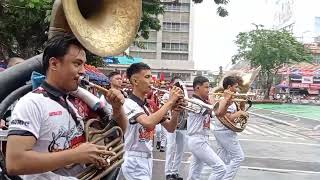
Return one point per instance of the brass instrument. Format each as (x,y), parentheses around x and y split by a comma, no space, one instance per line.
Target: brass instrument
(193,106)
(243,94)
(239,124)
(112,138)
(88,83)
(105,28)
(236,97)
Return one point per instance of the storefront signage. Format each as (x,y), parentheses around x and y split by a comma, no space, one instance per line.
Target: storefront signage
(307,79)
(299,85)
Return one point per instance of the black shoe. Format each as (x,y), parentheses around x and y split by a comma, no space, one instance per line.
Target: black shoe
(170,177)
(162,149)
(158,145)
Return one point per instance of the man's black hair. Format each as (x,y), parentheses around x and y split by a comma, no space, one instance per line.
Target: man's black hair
(199,81)
(136,68)
(113,73)
(57,47)
(229,81)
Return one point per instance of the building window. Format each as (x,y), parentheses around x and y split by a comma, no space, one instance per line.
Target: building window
(181,7)
(144,46)
(143,55)
(174,56)
(175,46)
(175,27)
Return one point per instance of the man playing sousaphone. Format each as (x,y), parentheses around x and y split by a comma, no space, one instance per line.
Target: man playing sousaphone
(138,137)
(229,148)
(46,131)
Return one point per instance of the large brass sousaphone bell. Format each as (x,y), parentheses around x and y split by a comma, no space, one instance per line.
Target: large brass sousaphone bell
(105,28)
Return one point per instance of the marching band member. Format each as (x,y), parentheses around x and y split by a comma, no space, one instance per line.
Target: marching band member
(138,137)
(116,82)
(175,148)
(154,105)
(46,132)
(198,126)
(161,132)
(229,148)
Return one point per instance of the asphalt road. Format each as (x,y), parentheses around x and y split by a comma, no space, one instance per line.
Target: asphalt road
(276,146)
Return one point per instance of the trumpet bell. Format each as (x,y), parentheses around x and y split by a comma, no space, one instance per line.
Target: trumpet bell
(105,28)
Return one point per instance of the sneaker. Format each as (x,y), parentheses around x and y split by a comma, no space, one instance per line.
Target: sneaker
(158,145)
(162,149)
(170,177)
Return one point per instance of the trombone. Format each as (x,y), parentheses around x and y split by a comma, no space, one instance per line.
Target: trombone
(90,84)
(238,95)
(193,106)
(198,106)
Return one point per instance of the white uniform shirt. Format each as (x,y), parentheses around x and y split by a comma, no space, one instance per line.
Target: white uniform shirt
(198,123)
(51,124)
(137,138)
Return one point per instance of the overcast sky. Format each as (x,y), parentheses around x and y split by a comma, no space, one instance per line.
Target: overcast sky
(214,36)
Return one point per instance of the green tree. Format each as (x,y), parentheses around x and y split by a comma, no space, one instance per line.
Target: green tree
(221,10)
(23,24)
(270,49)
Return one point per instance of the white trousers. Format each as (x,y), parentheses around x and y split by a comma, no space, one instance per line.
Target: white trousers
(230,151)
(202,154)
(136,168)
(175,148)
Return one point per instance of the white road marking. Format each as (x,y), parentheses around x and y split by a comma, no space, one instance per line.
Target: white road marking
(251,129)
(256,168)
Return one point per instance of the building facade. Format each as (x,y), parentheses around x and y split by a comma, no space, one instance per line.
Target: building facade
(170,49)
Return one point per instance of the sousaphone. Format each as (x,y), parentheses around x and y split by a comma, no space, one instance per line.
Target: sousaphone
(103,27)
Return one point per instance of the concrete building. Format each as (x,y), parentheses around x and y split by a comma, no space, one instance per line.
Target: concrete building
(170,49)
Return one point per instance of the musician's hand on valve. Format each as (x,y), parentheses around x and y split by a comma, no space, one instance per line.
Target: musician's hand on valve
(175,94)
(115,98)
(92,154)
(228,95)
(178,107)
(244,113)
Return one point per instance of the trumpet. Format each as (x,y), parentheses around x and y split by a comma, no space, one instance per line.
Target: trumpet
(193,106)
(236,95)
(90,84)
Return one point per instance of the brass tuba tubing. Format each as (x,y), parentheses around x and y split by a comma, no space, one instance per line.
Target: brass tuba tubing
(107,171)
(115,145)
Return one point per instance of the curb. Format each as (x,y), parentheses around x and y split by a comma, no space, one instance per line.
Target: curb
(273,119)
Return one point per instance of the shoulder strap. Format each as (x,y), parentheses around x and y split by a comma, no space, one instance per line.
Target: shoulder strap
(60,100)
